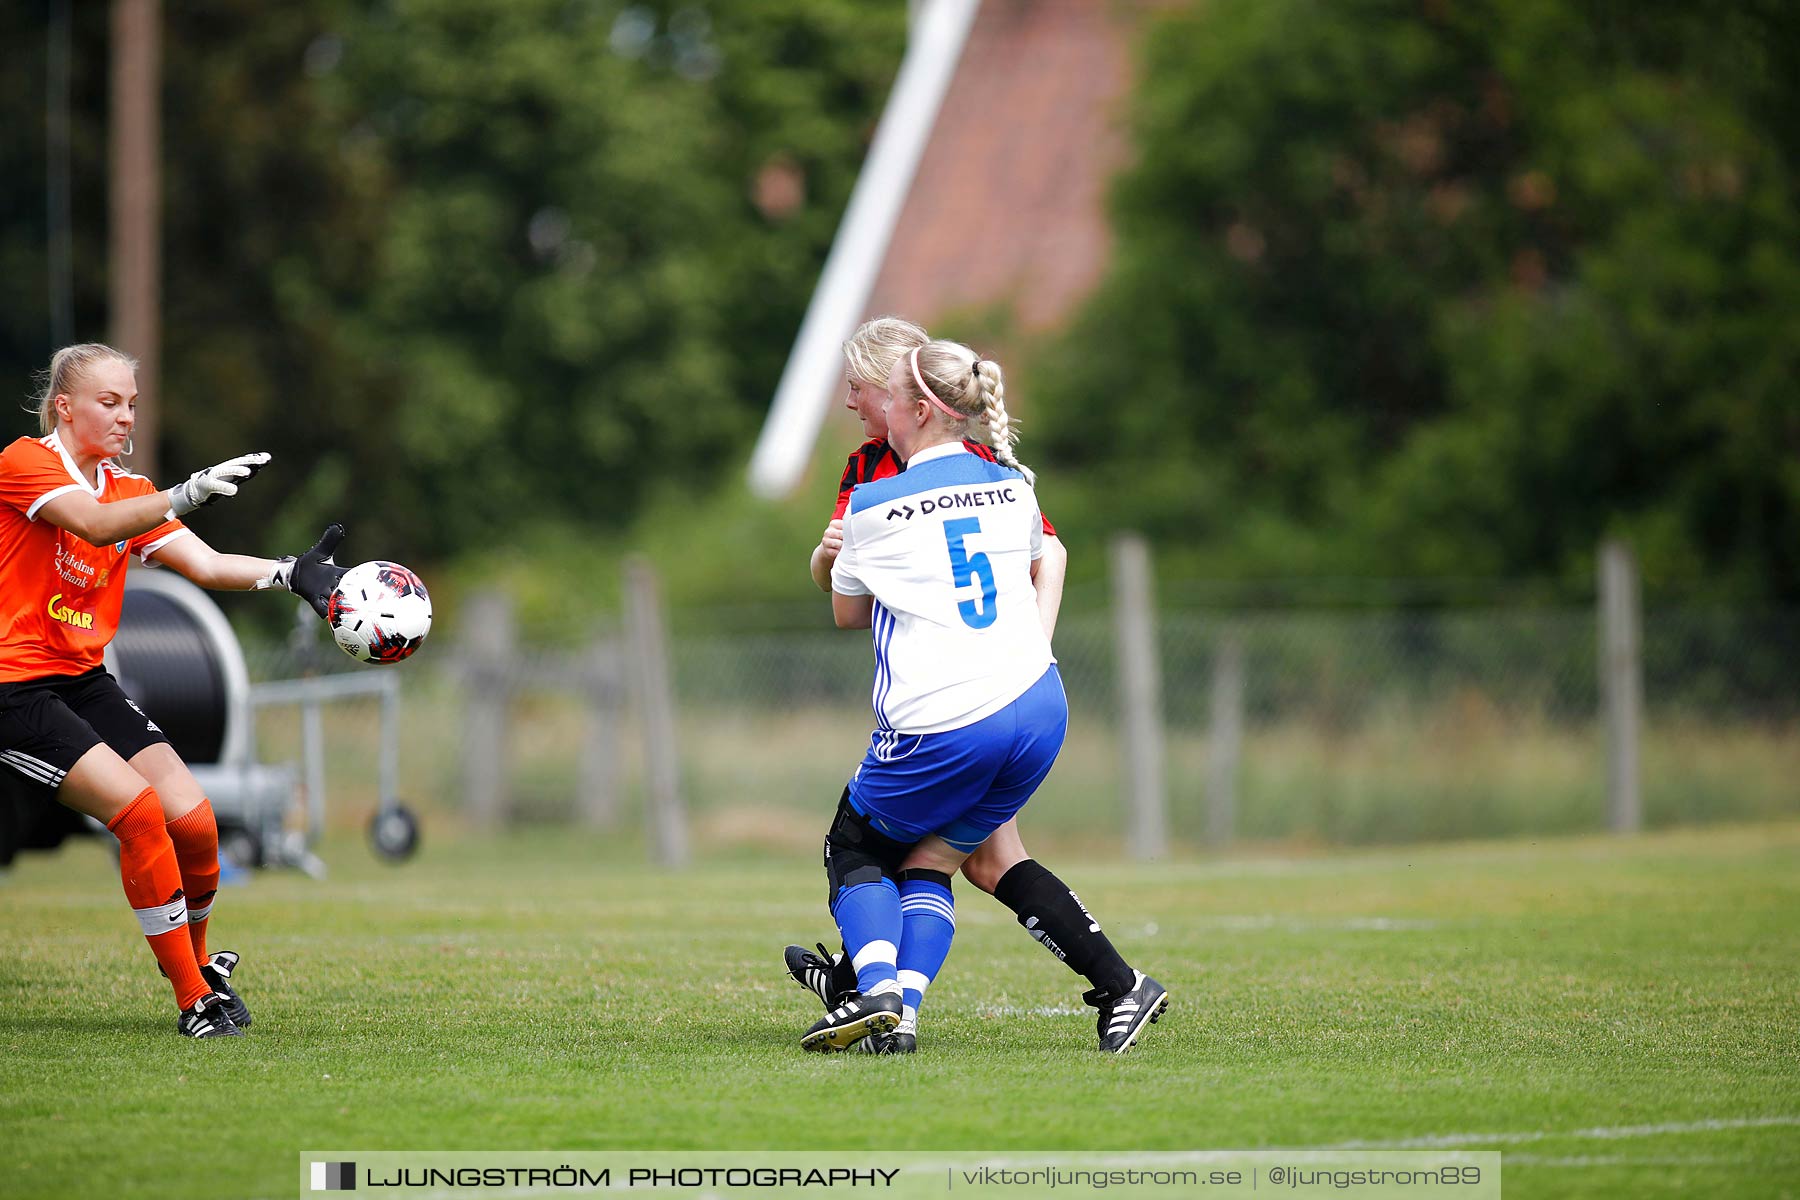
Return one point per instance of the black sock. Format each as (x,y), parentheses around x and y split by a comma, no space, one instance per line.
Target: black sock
(1055,916)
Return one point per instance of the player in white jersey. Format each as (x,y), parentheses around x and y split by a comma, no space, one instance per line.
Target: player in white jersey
(970,711)
(942,554)
(1046,907)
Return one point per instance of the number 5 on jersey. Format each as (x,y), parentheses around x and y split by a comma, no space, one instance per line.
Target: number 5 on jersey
(967,569)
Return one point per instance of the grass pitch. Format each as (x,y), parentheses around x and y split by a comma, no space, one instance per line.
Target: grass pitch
(1620,1017)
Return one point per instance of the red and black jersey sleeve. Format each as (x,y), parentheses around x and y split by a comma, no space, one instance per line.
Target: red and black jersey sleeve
(981,449)
(872,460)
(986,451)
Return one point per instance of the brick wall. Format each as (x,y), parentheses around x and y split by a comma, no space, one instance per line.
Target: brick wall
(1008,204)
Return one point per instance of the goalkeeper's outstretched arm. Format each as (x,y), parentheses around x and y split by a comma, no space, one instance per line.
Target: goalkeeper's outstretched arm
(192,557)
(312,576)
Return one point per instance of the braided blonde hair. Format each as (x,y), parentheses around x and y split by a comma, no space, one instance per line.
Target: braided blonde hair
(1001,434)
(975,388)
(66,366)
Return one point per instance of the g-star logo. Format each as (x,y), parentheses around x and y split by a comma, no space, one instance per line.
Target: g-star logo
(68,616)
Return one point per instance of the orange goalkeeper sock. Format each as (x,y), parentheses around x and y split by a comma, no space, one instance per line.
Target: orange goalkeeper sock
(152,881)
(196,838)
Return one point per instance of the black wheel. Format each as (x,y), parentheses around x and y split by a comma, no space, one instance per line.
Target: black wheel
(240,847)
(394,833)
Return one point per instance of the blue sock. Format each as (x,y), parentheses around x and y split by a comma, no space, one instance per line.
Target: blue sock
(868,915)
(928,924)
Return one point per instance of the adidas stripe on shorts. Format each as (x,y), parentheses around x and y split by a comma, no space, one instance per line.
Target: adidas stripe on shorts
(46,725)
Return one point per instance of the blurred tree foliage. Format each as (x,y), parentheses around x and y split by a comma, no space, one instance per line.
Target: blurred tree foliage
(1422,288)
(466,267)
(1402,287)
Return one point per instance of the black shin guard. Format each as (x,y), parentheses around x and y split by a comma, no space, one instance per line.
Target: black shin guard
(855,852)
(1055,916)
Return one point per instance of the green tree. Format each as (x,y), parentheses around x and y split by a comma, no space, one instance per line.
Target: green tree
(1420,288)
(25,310)
(469,267)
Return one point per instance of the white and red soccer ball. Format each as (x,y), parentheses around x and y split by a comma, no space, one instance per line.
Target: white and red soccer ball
(379,612)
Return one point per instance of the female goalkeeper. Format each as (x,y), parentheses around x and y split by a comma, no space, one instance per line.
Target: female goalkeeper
(70,519)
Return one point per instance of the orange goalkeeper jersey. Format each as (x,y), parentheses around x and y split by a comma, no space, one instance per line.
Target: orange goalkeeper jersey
(60,596)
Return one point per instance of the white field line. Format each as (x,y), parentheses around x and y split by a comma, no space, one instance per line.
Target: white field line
(1619,1160)
(1040,1010)
(1302,925)
(1448,1141)
(1604,1133)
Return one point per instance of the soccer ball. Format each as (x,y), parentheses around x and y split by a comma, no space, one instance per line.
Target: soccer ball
(379,612)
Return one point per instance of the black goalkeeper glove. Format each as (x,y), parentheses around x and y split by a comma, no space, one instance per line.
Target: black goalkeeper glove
(314,575)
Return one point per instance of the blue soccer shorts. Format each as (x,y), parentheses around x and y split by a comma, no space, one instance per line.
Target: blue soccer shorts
(965,783)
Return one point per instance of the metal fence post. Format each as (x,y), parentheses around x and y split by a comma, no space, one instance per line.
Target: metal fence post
(1224,739)
(598,772)
(1621,683)
(488,641)
(388,766)
(312,758)
(1140,698)
(647,647)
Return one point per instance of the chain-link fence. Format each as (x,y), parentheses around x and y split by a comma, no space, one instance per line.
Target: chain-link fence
(1354,727)
(1350,726)
(1394,726)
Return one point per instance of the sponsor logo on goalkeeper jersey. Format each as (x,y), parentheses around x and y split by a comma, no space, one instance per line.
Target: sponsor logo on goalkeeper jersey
(68,616)
(77,570)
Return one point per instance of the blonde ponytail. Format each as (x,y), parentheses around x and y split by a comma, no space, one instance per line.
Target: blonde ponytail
(990,386)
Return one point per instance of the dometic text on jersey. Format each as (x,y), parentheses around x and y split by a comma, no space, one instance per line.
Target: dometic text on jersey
(929,505)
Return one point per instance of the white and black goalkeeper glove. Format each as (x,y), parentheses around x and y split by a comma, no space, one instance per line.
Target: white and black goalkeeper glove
(314,575)
(203,487)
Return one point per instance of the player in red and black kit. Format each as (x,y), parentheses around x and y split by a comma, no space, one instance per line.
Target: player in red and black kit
(1002,867)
